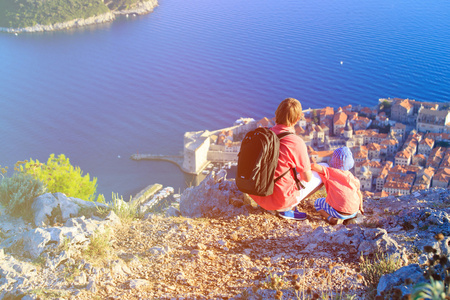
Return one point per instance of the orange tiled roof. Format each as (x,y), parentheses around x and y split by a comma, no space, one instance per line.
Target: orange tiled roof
(366,110)
(381,194)
(375,164)
(348,107)
(398,169)
(419,156)
(373,147)
(298,130)
(442,174)
(264,122)
(340,118)
(352,115)
(397,185)
(389,142)
(361,154)
(418,187)
(324,127)
(399,126)
(427,141)
(406,104)
(403,154)
(381,135)
(327,111)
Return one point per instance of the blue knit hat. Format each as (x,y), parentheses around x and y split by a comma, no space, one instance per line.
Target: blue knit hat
(342,159)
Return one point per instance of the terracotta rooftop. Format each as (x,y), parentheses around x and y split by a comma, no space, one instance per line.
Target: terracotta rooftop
(264,122)
(406,104)
(327,111)
(403,154)
(397,185)
(373,147)
(340,118)
(389,142)
(427,141)
(399,126)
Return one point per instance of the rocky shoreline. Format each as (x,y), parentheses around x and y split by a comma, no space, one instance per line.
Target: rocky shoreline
(140,9)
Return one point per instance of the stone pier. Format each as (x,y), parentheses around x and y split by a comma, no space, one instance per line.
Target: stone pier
(175,159)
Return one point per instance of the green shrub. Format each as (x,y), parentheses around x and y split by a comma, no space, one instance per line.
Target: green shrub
(372,270)
(99,249)
(18,192)
(437,271)
(434,290)
(60,176)
(126,211)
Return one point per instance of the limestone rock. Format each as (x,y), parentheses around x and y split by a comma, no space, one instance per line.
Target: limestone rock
(43,207)
(137,283)
(51,208)
(92,286)
(80,279)
(113,219)
(212,198)
(172,212)
(35,241)
(389,281)
(53,263)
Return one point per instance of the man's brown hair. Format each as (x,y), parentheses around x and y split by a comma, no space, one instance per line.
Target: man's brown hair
(288,112)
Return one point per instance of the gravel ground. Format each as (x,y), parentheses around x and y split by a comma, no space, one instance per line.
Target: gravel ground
(242,257)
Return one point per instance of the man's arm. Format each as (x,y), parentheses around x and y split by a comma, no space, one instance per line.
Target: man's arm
(306,176)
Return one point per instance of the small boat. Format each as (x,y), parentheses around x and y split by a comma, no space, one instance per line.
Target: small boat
(206,172)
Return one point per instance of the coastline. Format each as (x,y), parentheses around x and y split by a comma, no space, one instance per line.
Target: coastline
(140,9)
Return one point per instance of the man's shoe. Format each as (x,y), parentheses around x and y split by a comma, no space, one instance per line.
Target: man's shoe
(293,215)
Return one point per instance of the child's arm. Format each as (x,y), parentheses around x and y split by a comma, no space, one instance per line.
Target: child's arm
(317,168)
(361,208)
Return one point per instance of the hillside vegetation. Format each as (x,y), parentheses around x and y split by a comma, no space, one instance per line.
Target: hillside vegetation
(25,13)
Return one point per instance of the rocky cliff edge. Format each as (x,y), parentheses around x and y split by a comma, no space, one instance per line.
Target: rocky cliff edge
(217,244)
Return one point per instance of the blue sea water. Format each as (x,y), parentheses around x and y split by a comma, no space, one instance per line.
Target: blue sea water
(101,93)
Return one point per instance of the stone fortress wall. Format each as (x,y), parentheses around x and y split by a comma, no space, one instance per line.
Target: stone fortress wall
(199,151)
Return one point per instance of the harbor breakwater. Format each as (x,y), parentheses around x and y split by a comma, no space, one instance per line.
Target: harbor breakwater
(175,159)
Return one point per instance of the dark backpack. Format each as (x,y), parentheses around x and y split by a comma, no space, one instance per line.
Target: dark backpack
(257,161)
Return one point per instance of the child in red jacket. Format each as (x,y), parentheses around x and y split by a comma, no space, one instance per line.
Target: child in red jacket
(344,198)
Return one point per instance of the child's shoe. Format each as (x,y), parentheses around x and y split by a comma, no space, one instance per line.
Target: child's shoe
(350,221)
(334,221)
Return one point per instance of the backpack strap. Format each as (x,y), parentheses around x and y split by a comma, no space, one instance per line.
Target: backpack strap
(283,134)
(297,181)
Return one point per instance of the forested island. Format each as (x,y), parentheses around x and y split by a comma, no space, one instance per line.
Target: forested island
(43,15)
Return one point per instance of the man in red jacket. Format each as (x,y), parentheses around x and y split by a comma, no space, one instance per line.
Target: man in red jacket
(293,155)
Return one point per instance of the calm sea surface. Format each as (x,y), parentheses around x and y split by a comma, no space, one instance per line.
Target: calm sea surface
(102,93)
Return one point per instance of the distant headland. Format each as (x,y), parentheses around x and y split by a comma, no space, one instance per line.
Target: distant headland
(48,15)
